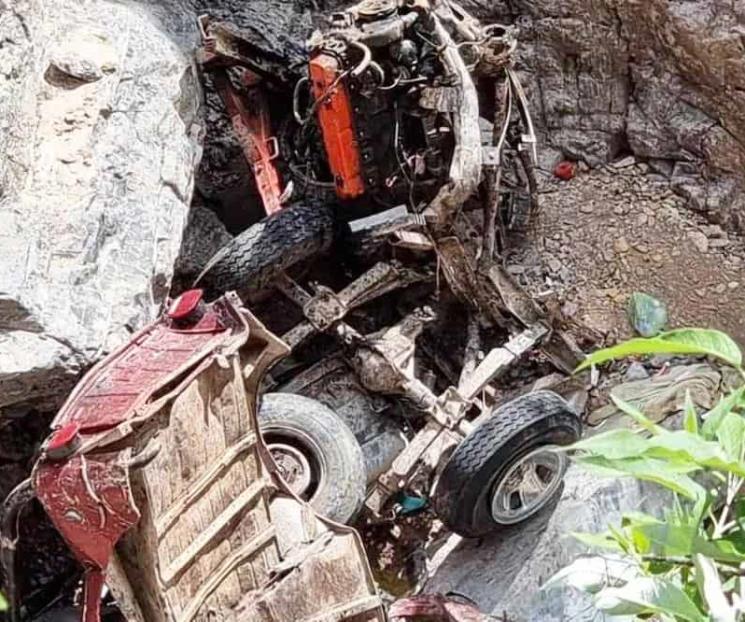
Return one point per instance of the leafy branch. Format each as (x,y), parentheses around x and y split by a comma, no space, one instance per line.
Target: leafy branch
(689,563)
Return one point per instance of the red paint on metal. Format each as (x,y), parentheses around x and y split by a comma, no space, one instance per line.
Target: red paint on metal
(106,396)
(433,608)
(94,581)
(89,501)
(336,118)
(185,304)
(252,127)
(64,441)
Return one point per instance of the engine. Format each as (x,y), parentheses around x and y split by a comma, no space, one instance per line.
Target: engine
(369,98)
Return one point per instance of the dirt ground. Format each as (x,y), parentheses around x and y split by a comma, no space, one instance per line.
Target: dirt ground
(612,231)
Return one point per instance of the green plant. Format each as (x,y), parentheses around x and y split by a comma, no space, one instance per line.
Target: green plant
(688,564)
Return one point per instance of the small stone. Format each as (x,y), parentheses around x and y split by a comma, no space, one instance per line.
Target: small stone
(570,309)
(554,265)
(641,220)
(721,288)
(701,293)
(586,208)
(733,285)
(621,245)
(620,211)
(658,360)
(642,248)
(584,167)
(718,243)
(699,240)
(636,371)
(515,270)
(657,258)
(624,162)
(84,56)
(714,231)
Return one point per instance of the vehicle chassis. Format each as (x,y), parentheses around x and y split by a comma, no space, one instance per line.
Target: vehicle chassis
(384,363)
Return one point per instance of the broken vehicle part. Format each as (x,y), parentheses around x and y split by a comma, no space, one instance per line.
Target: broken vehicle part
(505,471)
(388,78)
(253,129)
(316,453)
(157,452)
(253,259)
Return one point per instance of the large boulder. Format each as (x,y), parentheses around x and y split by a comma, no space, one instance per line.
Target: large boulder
(504,574)
(662,79)
(99,141)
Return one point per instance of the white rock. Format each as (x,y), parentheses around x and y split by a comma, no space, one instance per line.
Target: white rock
(84,55)
(95,188)
(699,240)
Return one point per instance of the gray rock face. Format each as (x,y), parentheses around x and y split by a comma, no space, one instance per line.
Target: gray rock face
(505,573)
(99,144)
(662,79)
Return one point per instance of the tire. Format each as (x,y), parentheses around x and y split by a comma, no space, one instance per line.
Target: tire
(337,487)
(479,467)
(252,259)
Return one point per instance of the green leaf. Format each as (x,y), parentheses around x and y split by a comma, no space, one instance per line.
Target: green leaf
(621,443)
(694,341)
(592,574)
(637,415)
(690,418)
(598,541)
(665,473)
(669,539)
(684,450)
(714,418)
(731,435)
(710,587)
(683,447)
(649,595)
(3,602)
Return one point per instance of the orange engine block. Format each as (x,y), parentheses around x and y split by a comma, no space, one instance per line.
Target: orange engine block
(336,118)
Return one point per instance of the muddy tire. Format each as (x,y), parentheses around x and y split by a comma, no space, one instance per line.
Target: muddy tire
(504,471)
(252,259)
(316,453)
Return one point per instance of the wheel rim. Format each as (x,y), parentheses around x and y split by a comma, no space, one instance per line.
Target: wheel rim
(528,485)
(293,467)
(298,458)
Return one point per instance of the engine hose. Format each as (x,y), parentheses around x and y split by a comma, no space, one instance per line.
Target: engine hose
(296,100)
(379,70)
(366,58)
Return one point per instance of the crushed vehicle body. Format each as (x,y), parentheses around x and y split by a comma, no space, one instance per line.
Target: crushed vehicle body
(156,477)
(393,164)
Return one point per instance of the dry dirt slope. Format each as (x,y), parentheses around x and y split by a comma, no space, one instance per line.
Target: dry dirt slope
(610,232)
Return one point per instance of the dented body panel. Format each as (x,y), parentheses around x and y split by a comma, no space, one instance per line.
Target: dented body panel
(170,492)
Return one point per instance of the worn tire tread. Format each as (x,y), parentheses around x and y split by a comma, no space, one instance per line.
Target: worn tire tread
(254,257)
(503,429)
(345,486)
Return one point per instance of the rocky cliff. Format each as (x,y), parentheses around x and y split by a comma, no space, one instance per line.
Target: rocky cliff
(662,79)
(99,144)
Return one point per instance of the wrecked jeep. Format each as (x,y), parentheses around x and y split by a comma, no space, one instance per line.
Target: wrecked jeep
(390,190)
(158,481)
